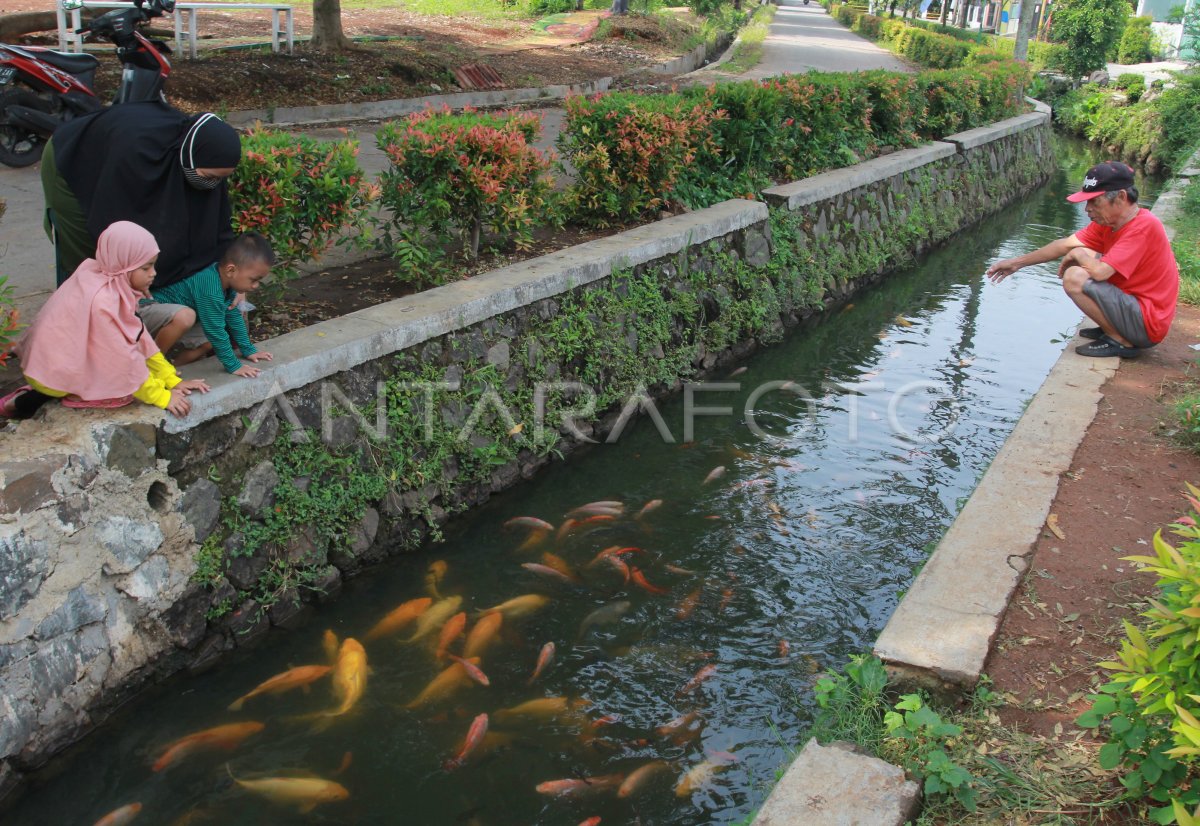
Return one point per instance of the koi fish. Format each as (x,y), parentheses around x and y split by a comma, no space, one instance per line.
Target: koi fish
(557,563)
(639,579)
(347,759)
(738,372)
(613,509)
(451,631)
(444,684)
(714,474)
(473,671)
(482,635)
(349,677)
(610,552)
(697,776)
(591,821)
(531,522)
(639,776)
(398,618)
(547,571)
(605,614)
(226,737)
(683,728)
(519,606)
(565,530)
(688,604)
(700,676)
(580,785)
(306,793)
(726,596)
(545,657)
(532,541)
(329,644)
(675,569)
(121,816)
(622,568)
(543,708)
(299,677)
(475,735)
(435,617)
(784,648)
(434,576)
(648,508)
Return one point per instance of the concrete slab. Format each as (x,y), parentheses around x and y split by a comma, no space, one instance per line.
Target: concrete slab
(828,184)
(940,634)
(308,355)
(973,138)
(836,786)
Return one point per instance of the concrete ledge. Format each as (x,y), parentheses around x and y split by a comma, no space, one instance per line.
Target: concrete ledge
(836,786)
(829,184)
(1038,106)
(973,138)
(943,628)
(308,355)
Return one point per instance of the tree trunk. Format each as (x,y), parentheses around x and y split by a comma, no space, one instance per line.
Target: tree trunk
(14,25)
(327,33)
(473,238)
(1024,27)
(620,7)
(945,11)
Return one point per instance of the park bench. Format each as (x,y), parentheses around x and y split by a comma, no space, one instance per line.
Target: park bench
(185,23)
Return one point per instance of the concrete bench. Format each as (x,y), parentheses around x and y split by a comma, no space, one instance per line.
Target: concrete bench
(185,22)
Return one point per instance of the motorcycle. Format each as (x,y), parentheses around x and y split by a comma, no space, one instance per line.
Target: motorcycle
(40,89)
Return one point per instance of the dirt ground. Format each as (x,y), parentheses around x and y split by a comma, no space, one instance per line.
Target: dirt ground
(417,59)
(1126,482)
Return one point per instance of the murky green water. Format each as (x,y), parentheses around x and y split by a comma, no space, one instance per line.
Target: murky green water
(787,563)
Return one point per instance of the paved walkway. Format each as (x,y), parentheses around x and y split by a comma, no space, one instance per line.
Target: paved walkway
(801,38)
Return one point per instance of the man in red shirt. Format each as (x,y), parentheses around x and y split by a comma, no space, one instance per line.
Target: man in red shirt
(1119,269)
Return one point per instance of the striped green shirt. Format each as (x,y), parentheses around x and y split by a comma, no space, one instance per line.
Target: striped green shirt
(202,291)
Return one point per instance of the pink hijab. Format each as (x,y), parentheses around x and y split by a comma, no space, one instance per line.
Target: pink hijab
(87,340)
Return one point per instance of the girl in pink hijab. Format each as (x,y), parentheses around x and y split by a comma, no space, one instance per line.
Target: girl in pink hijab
(88,347)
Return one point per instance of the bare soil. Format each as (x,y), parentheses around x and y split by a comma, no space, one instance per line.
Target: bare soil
(1126,482)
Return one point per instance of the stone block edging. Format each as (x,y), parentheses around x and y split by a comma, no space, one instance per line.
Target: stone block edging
(973,138)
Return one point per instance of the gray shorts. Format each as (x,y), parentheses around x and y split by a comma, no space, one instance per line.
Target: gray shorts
(1121,309)
(156,316)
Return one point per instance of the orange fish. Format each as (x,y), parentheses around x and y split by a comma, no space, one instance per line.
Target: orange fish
(329,644)
(784,648)
(580,785)
(640,580)
(451,631)
(675,569)
(221,737)
(443,685)
(545,657)
(639,776)
(399,618)
(598,519)
(347,759)
(649,507)
(557,563)
(565,530)
(482,635)
(542,708)
(688,604)
(475,734)
(306,793)
(349,676)
(703,674)
(121,816)
(299,677)
(597,509)
(531,522)
(683,728)
(434,576)
(532,541)
(591,821)
(519,606)
(622,568)
(696,777)
(552,573)
(473,671)
(714,474)
(726,596)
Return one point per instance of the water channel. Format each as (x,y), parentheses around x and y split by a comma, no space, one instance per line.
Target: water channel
(785,564)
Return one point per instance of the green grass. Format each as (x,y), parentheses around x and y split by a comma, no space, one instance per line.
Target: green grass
(748,52)
(1187,245)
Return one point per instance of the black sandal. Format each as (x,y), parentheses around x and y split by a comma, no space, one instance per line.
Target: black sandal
(1091,333)
(1107,347)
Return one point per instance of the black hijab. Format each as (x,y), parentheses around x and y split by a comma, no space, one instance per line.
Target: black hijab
(126,163)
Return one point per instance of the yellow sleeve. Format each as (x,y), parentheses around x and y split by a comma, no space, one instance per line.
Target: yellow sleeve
(156,389)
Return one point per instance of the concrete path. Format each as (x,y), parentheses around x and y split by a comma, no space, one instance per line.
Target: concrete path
(801,38)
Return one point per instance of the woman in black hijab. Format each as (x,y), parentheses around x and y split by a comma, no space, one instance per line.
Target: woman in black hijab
(147,163)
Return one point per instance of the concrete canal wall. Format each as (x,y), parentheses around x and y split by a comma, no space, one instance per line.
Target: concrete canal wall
(132,547)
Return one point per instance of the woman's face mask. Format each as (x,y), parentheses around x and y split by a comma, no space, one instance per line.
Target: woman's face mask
(198,180)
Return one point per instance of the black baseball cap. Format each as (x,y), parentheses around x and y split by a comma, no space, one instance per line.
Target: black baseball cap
(1101,178)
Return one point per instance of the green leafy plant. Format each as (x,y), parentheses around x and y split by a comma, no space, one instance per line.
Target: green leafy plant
(1090,28)
(9,316)
(922,734)
(1137,42)
(301,193)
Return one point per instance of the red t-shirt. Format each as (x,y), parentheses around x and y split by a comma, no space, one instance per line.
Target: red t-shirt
(1145,267)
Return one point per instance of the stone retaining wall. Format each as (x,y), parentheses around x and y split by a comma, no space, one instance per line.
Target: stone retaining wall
(131,547)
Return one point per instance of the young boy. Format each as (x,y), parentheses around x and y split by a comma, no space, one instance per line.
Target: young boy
(199,312)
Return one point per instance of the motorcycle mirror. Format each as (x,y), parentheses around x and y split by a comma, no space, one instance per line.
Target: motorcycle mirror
(71,5)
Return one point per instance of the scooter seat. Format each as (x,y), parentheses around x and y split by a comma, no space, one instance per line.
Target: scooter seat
(76,64)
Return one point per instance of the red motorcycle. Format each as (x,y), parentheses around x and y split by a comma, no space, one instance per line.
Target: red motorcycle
(40,88)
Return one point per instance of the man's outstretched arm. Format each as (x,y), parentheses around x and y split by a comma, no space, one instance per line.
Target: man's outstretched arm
(1055,249)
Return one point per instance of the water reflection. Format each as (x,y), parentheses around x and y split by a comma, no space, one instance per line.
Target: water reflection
(787,563)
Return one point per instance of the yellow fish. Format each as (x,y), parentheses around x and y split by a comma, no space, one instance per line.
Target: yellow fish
(399,617)
(349,677)
(299,677)
(519,606)
(434,576)
(306,793)
(444,684)
(542,708)
(482,635)
(329,644)
(435,617)
(696,777)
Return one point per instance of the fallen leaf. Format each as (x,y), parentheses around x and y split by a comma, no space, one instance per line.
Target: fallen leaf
(515,429)
(1052,524)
